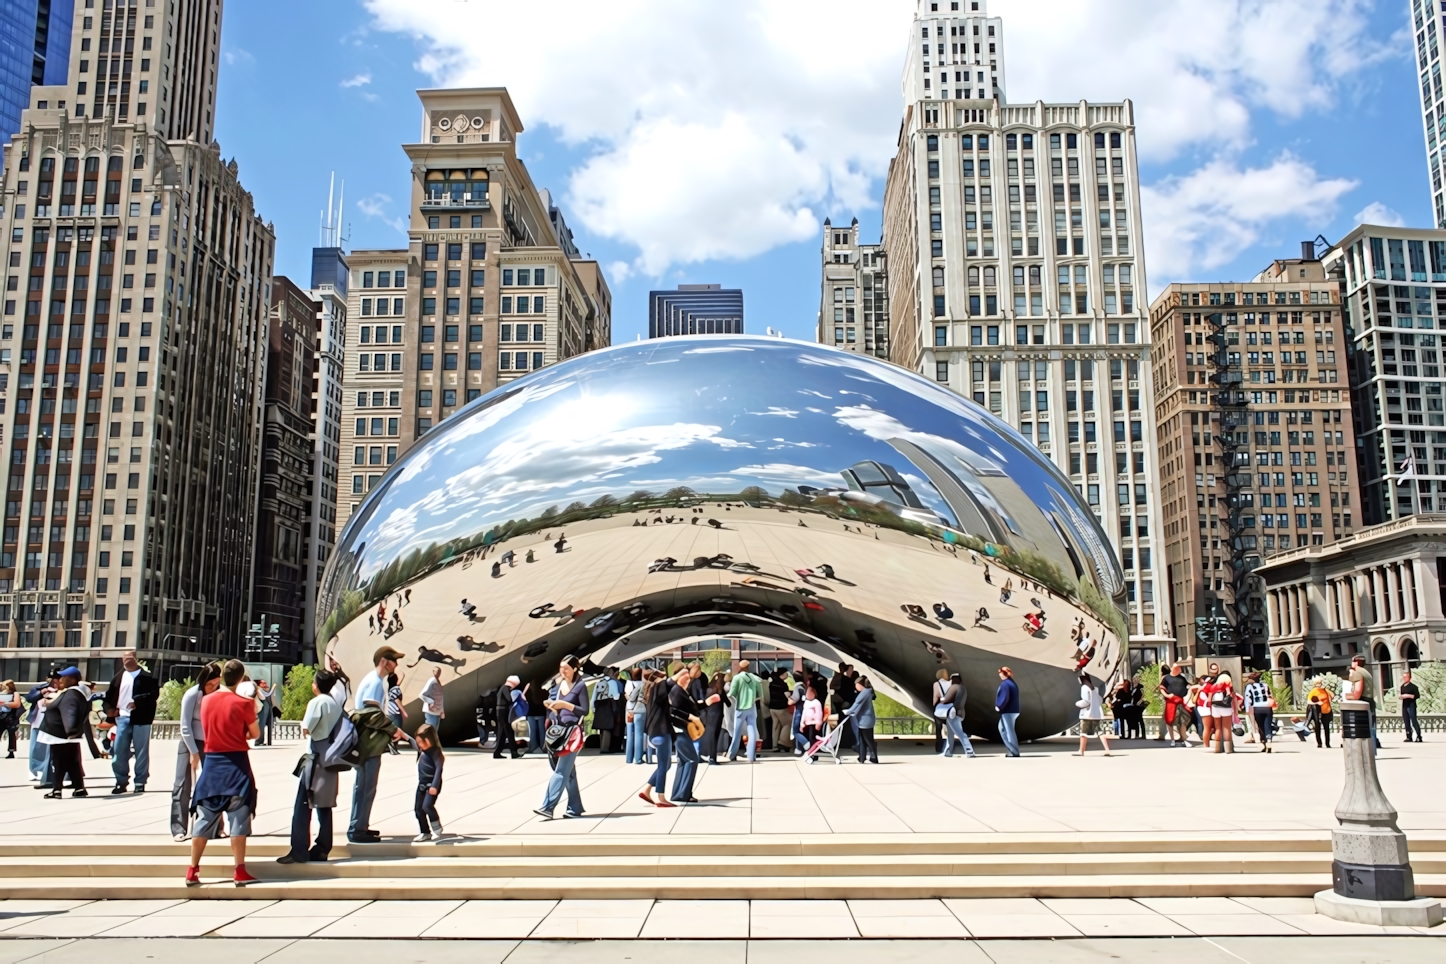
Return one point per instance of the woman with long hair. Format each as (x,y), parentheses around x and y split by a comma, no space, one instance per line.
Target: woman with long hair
(713,714)
(636,715)
(11,707)
(566,710)
(1222,711)
(191,747)
(659,732)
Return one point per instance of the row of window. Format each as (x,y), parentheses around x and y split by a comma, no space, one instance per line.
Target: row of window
(1063,247)
(979,335)
(520,305)
(384,279)
(507,361)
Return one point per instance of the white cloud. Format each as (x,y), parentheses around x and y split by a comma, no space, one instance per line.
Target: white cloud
(235,56)
(375,206)
(358,80)
(1378,213)
(1209,216)
(724,130)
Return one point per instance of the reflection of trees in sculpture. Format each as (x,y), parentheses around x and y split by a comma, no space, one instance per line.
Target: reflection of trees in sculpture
(421,562)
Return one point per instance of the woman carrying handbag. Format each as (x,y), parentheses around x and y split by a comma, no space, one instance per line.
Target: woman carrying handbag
(564,740)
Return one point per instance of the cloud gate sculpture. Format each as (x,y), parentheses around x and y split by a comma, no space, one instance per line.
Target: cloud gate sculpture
(700,487)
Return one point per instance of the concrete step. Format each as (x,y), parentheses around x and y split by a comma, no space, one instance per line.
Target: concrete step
(684,888)
(436,863)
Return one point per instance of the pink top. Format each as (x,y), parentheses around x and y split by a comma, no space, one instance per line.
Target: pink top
(812,713)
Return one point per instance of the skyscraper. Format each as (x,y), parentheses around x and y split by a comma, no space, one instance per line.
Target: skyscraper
(853,313)
(1255,439)
(34,50)
(1425,15)
(134,328)
(695,310)
(1393,294)
(1012,234)
(490,288)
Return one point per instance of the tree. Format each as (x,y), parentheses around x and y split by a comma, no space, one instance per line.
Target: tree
(296,691)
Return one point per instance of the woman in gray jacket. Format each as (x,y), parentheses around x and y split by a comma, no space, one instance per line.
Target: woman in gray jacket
(955,697)
(862,712)
(191,747)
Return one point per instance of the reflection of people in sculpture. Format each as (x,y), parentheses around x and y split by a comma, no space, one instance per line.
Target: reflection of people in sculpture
(987,578)
(437,656)
(561,544)
(659,565)
(468,645)
(982,616)
(943,611)
(496,570)
(826,570)
(468,609)
(1033,623)
(530,557)
(508,557)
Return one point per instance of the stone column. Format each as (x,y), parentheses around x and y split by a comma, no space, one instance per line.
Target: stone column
(1371,874)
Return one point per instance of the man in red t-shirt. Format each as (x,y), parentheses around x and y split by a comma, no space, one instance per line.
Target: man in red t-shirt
(226,784)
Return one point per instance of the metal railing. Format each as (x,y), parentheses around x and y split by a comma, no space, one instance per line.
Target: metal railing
(171,730)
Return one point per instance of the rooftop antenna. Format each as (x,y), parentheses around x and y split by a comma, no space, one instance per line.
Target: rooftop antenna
(333,233)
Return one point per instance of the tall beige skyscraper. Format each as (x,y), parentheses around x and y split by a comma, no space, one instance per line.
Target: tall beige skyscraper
(1012,233)
(489,288)
(132,353)
(853,311)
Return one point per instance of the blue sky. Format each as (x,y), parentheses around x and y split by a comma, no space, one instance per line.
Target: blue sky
(706,143)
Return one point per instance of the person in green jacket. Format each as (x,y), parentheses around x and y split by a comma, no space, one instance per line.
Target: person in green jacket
(744,691)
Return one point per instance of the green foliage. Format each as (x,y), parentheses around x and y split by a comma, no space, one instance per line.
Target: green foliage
(893,709)
(1331,683)
(1430,679)
(1149,679)
(1280,689)
(1104,609)
(168,703)
(716,661)
(296,691)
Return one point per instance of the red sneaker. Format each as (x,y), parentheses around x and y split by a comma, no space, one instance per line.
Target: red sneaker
(243,878)
(193,876)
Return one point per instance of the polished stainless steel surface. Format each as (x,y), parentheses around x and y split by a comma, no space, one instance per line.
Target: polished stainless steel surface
(726,484)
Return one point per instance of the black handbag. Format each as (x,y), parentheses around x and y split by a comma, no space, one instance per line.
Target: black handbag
(557,736)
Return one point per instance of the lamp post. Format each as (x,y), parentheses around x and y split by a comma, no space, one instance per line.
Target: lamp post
(1371,874)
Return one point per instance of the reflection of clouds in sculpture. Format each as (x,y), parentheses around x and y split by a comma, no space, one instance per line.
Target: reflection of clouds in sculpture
(790,475)
(778,410)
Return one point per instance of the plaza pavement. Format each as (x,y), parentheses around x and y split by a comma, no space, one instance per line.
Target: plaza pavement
(1145,791)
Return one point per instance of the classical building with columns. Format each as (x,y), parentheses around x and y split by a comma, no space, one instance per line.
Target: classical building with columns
(1378,593)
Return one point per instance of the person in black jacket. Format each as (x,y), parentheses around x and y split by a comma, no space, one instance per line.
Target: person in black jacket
(506,735)
(63,728)
(131,703)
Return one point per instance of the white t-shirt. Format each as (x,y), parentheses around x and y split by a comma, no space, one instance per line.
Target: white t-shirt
(1092,710)
(127,694)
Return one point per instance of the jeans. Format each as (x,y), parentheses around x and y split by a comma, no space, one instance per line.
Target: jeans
(955,731)
(302,849)
(433,720)
(688,760)
(1006,733)
(868,749)
(130,737)
(564,776)
(745,718)
(800,742)
(663,750)
(638,738)
(181,793)
(363,795)
(425,809)
(1264,717)
(536,733)
(1408,717)
(39,754)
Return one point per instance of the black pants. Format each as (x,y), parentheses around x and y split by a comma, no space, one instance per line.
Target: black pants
(506,739)
(1408,718)
(11,728)
(1264,721)
(302,849)
(938,735)
(1322,722)
(65,761)
(426,810)
(868,748)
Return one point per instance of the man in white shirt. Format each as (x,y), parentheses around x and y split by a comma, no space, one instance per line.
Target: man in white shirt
(432,711)
(372,690)
(131,702)
(317,787)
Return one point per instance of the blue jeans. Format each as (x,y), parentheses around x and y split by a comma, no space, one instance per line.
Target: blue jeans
(956,731)
(1006,732)
(39,753)
(688,760)
(564,776)
(363,794)
(800,742)
(130,737)
(742,718)
(637,738)
(433,720)
(536,733)
(663,749)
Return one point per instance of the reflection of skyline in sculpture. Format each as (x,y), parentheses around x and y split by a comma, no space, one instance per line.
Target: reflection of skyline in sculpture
(756,461)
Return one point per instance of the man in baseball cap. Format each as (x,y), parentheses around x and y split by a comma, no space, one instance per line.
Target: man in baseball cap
(371,692)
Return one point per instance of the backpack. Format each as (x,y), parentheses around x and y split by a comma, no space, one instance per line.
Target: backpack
(343,742)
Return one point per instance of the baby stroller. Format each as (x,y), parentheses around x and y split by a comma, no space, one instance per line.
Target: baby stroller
(828,743)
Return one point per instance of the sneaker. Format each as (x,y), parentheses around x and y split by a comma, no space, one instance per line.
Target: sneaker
(544,814)
(571,814)
(422,838)
(368,839)
(117,791)
(178,837)
(286,859)
(440,834)
(242,878)
(193,876)
(140,788)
